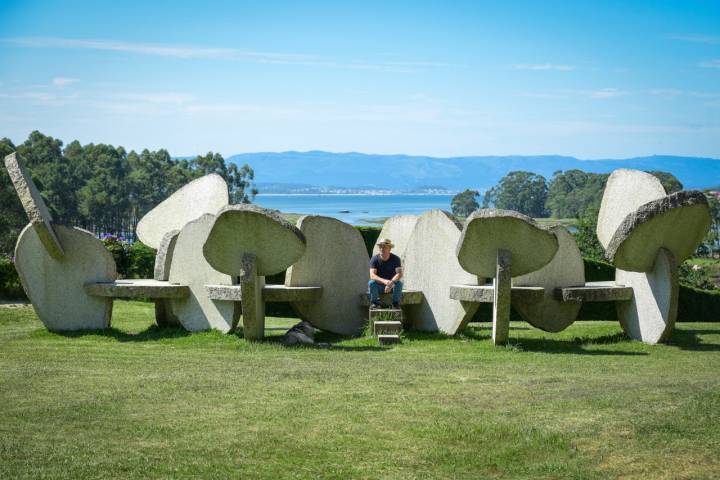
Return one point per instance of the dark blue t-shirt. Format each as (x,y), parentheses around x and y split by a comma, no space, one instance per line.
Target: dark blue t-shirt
(385,269)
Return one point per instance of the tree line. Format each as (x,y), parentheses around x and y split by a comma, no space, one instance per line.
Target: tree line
(569,194)
(102,188)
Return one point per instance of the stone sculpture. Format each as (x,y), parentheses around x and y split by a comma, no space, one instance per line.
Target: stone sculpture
(399,228)
(336,260)
(499,243)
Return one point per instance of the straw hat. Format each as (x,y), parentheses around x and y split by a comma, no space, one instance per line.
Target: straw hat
(386,241)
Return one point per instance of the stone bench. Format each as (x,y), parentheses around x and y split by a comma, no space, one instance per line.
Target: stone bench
(142,288)
(485,293)
(607,291)
(409,297)
(270,293)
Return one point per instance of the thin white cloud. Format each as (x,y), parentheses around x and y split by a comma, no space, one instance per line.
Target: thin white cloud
(711,64)
(191,52)
(606,93)
(166,97)
(64,81)
(543,66)
(709,39)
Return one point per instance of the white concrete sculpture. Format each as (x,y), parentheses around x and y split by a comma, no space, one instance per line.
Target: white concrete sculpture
(34,206)
(189,267)
(251,242)
(502,243)
(566,269)
(431,266)
(163,259)
(399,229)
(646,235)
(335,259)
(207,194)
(55,286)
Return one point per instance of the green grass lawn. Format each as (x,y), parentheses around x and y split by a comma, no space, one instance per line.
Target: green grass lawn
(140,402)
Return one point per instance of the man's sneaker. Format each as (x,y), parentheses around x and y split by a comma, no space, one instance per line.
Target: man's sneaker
(375,306)
(396,305)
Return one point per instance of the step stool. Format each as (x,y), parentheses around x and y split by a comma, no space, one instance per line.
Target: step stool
(386,324)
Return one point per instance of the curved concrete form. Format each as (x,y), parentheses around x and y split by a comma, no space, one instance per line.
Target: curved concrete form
(650,315)
(489,230)
(625,191)
(198,312)
(207,194)
(431,266)
(56,287)
(566,269)
(398,229)
(336,260)
(240,230)
(677,223)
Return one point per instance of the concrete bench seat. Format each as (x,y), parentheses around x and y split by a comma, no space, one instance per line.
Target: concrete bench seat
(137,288)
(270,293)
(484,293)
(607,291)
(409,297)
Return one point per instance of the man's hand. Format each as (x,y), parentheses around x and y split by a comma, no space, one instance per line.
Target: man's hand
(389,286)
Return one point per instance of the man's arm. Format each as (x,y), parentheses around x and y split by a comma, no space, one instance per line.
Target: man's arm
(374,276)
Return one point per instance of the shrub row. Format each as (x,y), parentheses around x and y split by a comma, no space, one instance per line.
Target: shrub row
(137,261)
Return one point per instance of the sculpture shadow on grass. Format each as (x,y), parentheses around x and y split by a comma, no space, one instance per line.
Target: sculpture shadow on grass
(151,334)
(575,346)
(690,340)
(323,341)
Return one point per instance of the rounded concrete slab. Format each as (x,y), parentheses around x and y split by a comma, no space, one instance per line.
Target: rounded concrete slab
(336,260)
(398,229)
(650,315)
(56,286)
(34,206)
(164,316)
(488,230)
(248,229)
(566,269)
(189,267)
(625,191)
(431,266)
(678,223)
(207,194)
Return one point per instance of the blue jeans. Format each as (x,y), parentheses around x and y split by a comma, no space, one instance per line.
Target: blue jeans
(376,289)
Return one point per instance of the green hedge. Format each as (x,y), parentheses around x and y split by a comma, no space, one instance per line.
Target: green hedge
(137,261)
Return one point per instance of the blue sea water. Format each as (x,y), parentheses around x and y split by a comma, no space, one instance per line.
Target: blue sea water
(355,209)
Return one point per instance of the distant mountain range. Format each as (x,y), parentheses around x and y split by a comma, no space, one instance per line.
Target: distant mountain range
(325,172)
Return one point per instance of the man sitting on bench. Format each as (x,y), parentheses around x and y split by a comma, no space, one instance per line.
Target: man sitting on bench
(385,273)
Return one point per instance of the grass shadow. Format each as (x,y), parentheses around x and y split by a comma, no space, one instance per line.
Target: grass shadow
(150,334)
(690,340)
(576,346)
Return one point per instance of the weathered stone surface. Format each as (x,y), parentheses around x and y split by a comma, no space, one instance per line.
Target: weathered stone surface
(431,266)
(398,229)
(486,293)
(207,194)
(677,223)
(501,298)
(34,206)
(137,288)
(408,297)
(253,305)
(625,191)
(164,316)
(55,286)
(248,229)
(388,339)
(607,291)
(198,312)
(566,269)
(336,260)
(163,257)
(271,293)
(651,314)
(488,230)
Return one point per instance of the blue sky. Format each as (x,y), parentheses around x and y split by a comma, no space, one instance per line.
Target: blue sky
(589,79)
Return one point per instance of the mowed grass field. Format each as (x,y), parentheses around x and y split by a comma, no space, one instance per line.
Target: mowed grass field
(140,402)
